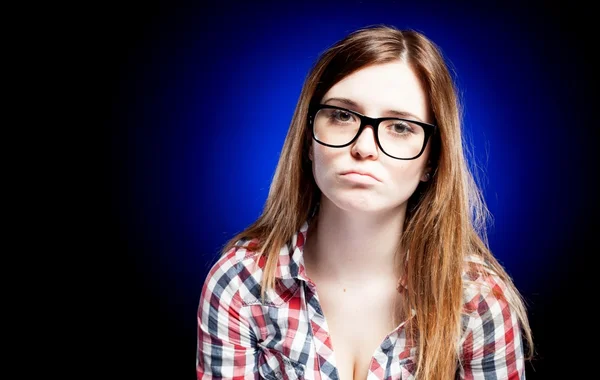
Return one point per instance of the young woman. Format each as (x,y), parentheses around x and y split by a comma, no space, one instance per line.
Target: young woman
(370,258)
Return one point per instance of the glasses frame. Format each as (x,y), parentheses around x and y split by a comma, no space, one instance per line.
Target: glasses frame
(429,129)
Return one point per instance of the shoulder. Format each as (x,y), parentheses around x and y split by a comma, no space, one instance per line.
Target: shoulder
(235,275)
(491,341)
(484,290)
(490,318)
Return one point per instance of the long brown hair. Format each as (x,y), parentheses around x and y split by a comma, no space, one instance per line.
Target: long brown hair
(446,217)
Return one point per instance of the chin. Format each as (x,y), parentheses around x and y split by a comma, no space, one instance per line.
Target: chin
(359,204)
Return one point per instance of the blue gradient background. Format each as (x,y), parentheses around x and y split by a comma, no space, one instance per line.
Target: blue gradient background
(199,101)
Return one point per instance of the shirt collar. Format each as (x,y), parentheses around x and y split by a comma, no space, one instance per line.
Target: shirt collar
(290,264)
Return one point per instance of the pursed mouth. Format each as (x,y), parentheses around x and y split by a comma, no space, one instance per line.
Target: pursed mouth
(361,174)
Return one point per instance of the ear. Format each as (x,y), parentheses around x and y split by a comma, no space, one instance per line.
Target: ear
(310,152)
(427,172)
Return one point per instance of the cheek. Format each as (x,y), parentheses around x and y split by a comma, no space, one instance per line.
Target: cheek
(406,175)
(321,159)
(323,163)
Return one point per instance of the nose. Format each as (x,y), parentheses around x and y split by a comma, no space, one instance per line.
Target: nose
(365,145)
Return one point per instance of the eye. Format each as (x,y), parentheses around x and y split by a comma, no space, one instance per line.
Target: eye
(342,116)
(401,127)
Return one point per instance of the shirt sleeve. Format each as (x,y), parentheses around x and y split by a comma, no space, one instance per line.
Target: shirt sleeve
(226,342)
(492,342)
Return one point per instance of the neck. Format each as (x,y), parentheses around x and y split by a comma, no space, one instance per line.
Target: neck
(350,247)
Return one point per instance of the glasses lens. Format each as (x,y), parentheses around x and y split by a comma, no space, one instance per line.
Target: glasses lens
(400,138)
(335,127)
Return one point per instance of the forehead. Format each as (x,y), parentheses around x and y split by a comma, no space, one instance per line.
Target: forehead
(377,88)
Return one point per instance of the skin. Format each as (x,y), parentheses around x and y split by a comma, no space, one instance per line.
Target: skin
(350,254)
(360,219)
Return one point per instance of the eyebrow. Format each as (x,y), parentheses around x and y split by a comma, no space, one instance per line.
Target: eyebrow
(352,103)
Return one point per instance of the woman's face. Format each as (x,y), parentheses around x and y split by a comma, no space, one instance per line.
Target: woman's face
(385,90)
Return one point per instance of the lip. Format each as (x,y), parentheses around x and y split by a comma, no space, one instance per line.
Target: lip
(360,175)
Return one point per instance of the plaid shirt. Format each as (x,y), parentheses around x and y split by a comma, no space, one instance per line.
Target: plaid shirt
(286,336)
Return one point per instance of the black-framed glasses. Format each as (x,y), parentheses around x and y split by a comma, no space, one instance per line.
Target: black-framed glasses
(337,127)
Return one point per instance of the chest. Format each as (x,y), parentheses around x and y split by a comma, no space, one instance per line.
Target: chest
(357,323)
(306,333)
